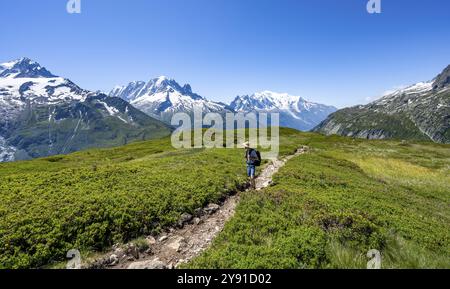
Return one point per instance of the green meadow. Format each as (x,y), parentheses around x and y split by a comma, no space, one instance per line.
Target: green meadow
(328,208)
(93,199)
(325,209)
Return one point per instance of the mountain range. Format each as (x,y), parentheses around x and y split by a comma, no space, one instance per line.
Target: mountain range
(295,112)
(163,97)
(420,111)
(42,114)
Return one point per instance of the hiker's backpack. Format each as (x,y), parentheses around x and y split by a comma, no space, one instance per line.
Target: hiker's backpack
(257,162)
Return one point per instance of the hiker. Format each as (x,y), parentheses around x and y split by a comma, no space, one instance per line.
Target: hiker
(253,159)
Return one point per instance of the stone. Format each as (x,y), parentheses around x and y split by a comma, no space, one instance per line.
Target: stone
(113,260)
(133,251)
(197,221)
(151,240)
(175,243)
(162,239)
(184,219)
(211,209)
(181,261)
(198,212)
(151,264)
(119,252)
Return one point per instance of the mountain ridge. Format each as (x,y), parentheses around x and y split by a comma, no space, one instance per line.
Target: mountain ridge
(42,114)
(24,67)
(295,112)
(420,111)
(162,97)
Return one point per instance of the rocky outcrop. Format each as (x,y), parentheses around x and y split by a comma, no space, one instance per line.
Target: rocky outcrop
(443,79)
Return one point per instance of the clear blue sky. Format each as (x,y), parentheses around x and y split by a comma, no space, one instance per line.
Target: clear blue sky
(329,51)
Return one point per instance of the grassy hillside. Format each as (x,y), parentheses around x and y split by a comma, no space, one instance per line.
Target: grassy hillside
(90,200)
(327,208)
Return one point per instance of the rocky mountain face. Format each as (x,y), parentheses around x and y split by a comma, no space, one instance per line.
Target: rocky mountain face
(42,114)
(295,112)
(421,111)
(442,80)
(24,83)
(24,68)
(163,97)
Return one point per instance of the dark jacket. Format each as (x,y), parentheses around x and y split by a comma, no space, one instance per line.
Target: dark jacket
(251,156)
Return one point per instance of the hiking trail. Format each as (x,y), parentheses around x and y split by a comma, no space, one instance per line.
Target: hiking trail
(190,238)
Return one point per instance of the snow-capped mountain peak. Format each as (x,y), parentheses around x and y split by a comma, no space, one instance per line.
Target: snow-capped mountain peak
(60,116)
(24,68)
(137,89)
(440,82)
(130,91)
(11,64)
(279,100)
(269,100)
(161,97)
(419,87)
(295,111)
(163,84)
(26,81)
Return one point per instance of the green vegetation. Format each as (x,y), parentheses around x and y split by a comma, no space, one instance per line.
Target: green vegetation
(328,208)
(90,200)
(397,126)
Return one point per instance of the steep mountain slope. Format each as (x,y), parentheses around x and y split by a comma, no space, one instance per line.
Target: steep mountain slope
(163,97)
(7,152)
(443,79)
(295,112)
(42,114)
(25,83)
(99,121)
(24,68)
(421,111)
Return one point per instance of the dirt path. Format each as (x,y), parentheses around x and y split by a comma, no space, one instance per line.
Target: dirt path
(193,235)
